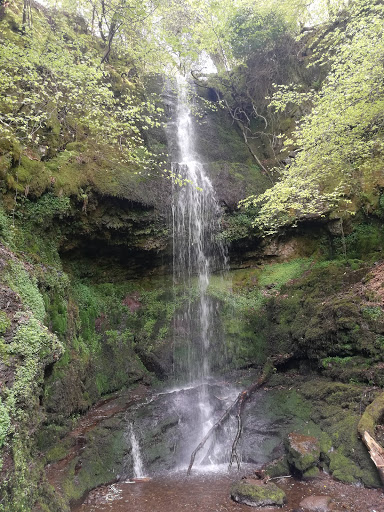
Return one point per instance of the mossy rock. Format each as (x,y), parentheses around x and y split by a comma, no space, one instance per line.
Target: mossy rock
(279,467)
(256,493)
(303,452)
(343,469)
(311,473)
(373,414)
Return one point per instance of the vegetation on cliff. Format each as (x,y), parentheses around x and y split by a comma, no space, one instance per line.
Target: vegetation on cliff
(295,118)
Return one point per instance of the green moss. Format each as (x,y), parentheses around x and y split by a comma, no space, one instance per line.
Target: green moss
(101,461)
(342,469)
(311,473)
(336,409)
(303,452)
(257,495)
(279,274)
(33,347)
(373,414)
(26,286)
(279,467)
(5,424)
(6,229)
(4,322)
(30,177)
(59,451)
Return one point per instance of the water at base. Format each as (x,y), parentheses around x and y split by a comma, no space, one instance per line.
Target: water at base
(211,493)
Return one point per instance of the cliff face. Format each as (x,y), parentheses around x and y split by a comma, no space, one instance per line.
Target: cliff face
(87,298)
(87,292)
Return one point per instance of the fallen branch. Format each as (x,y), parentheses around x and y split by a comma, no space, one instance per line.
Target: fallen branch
(376,452)
(238,406)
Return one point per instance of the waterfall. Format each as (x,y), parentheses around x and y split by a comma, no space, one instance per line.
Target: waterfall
(197,253)
(138,467)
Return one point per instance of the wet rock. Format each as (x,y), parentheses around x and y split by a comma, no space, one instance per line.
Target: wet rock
(303,452)
(257,493)
(315,504)
(312,472)
(279,467)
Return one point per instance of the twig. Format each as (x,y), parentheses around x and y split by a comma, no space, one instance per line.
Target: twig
(244,395)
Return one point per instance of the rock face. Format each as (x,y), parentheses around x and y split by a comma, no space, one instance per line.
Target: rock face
(303,453)
(256,493)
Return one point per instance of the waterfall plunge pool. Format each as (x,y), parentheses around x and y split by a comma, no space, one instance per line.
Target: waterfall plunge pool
(211,493)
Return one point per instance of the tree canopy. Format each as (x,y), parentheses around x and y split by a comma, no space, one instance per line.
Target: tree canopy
(340,139)
(79,69)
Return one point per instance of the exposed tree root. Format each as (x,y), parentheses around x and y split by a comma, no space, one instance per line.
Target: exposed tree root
(237,408)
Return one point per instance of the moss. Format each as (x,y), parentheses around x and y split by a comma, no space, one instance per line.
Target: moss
(6,228)
(303,452)
(102,460)
(311,473)
(372,416)
(26,285)
(59,451)
(5,423)
(33,347)
(279,467)
(336,409)
(30,177)
(257,494)
(342,469)
(5,322)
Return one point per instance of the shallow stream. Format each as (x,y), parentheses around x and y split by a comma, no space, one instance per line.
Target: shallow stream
(211,493)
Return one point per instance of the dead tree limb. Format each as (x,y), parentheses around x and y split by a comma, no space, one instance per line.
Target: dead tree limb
(376,452)
(238,406)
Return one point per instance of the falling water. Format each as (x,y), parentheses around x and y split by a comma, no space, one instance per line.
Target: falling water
(138,468)
(197,253)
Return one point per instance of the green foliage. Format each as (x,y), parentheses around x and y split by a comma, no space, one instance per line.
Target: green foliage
(254,29)
(344,128)
(26,286)
(5,423)
(45,209)
(52,90)
(4,322)
(237,226)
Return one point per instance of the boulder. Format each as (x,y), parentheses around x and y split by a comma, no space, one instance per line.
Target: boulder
(257,493)
(303,452)
(315,504)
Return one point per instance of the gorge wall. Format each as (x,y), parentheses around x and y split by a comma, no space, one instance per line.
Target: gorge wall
(88,300)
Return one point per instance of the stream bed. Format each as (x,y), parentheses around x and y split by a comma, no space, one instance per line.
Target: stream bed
(211,493)
(207,489)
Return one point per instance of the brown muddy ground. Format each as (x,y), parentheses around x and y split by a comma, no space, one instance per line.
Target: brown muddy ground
(211,493)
